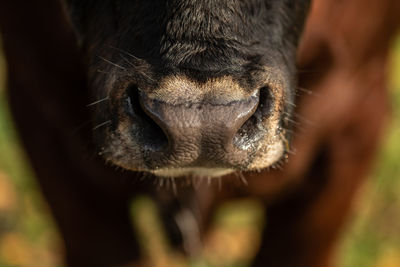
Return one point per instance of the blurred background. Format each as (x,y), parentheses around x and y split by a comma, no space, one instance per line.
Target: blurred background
(28,236)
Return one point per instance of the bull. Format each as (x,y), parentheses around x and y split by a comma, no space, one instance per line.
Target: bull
(106,91)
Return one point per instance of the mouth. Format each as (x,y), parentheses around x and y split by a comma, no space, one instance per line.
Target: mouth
(192,171)
(191,129)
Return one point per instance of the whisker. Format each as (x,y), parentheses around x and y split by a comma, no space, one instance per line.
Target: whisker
(112,63)
(97,101)
(292,121)
(133,65)
(290,103)
(242,178)
(174,189)
(304,119)
(279,166)
(297,123)
(101,124)
(285,141)
(161,182)
(286,130)
(125,52)
(304,90)
(127,60)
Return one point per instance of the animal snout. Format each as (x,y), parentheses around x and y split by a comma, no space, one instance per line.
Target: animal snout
(205,133)
(179,126)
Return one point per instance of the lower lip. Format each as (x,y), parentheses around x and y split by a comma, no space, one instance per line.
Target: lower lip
(197,172)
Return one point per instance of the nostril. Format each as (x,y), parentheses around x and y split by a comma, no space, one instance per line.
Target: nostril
(134,108)
(145,130)
(252,130)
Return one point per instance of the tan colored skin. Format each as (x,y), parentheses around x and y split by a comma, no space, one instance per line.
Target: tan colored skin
(343,62)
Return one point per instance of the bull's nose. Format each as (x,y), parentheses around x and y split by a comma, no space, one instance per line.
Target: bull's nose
(196,134)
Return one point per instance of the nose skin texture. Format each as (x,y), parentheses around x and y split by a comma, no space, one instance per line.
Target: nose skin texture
(199,134)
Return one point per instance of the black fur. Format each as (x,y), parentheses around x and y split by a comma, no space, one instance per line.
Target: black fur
(201,39)
(140,42)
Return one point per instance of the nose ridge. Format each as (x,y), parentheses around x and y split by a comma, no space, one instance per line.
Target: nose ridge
(198,130)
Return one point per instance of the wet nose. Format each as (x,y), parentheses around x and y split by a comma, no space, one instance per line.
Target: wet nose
(201,133)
